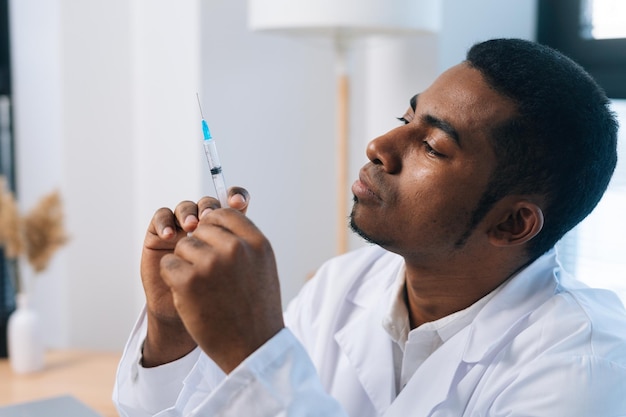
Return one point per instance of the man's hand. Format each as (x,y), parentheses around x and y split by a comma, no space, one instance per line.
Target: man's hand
(167,338)
(224,286)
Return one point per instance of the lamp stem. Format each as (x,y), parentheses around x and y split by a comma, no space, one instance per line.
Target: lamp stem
(343,122)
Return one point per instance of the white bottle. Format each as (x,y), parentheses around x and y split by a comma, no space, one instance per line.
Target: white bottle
(25,345)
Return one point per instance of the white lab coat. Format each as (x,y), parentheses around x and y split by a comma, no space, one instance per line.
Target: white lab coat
(543,345)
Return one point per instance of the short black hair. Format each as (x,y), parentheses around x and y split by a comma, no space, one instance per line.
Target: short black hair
(561,144)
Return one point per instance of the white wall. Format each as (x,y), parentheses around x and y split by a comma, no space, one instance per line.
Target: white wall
(468,22)
(105,109)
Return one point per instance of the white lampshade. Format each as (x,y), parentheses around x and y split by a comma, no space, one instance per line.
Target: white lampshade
(345,17)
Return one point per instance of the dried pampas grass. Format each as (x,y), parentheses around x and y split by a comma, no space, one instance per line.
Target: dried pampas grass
(43,231)
(38,235)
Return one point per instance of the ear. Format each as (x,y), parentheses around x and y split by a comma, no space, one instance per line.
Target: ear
(518,224)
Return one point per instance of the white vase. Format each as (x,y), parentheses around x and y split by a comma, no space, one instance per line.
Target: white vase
(25,345)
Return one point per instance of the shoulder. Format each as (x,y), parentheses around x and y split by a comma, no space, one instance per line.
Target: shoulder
(578,321)
(565,355)
(593,316)
(575,361)
(547,312)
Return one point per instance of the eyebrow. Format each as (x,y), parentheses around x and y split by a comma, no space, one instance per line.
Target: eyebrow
(436,122)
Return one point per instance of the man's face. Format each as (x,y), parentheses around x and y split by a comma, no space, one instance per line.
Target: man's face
(417,194)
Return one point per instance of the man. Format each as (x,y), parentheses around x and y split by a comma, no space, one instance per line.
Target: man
(459,309)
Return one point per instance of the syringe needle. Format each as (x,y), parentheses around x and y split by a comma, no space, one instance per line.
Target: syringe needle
(199,105)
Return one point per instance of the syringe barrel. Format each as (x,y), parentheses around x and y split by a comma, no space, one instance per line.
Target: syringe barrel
(216,171)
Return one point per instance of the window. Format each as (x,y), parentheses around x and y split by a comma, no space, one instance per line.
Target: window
(592,33)
(603,19)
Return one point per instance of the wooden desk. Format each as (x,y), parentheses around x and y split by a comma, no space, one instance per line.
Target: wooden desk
(88,376)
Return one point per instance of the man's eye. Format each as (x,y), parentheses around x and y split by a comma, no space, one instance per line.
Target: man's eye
(429,150)
(403,120)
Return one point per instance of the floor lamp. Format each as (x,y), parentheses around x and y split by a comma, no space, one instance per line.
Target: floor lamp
(344,21)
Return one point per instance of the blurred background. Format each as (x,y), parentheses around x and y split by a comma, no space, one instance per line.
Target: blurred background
(100,103)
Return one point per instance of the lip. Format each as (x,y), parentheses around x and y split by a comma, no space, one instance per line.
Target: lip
(362,188)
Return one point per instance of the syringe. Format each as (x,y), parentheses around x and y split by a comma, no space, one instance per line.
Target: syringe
(214,161)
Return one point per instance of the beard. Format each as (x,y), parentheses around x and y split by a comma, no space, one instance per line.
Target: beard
(387,244)
(360,232)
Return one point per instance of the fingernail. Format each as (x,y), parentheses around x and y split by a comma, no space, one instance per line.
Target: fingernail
(205,212)
(238,198)
(190,220)
(167,232)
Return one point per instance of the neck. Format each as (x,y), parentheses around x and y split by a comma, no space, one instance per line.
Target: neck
(433,294)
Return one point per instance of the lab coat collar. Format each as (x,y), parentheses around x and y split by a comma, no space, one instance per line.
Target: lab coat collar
(452,371)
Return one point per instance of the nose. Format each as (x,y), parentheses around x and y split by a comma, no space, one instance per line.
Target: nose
(385,151)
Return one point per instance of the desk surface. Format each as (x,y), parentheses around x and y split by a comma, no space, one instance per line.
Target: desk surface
(88,376)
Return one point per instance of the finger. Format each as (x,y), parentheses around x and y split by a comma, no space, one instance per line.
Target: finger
(217,226)
(238,199)
(207,204)
(186,213)
(175,270)
(198,253)
(163,224)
